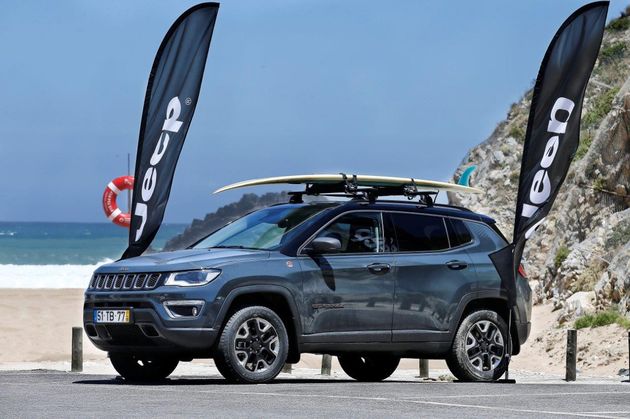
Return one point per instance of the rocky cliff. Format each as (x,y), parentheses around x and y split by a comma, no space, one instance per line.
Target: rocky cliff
(584,245)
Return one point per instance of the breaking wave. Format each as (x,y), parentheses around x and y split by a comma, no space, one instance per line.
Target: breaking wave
(47,276)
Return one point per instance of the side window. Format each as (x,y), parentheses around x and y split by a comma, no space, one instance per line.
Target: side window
(358,232)
(457,232)
(417,232)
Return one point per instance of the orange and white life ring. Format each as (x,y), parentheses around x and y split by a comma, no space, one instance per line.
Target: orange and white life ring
(110,206)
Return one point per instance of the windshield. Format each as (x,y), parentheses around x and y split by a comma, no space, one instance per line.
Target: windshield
(264,229)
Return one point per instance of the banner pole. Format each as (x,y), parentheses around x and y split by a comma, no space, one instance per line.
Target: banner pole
(509,354)
(128,190)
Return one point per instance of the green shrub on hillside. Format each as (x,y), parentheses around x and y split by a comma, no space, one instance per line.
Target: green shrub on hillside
(587,279)
(619,236)
(585,144)
(603,318)
(620,24)
(599,183)
(601,106)
(613,52)
(517,132)
(561,255)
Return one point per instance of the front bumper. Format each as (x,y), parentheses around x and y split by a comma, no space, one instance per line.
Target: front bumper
(151,330)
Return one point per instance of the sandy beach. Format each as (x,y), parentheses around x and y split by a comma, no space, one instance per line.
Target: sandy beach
(36,324)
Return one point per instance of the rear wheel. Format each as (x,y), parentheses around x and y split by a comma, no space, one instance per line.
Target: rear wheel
(480,347)
(374,367)
(253,346)
(142,368)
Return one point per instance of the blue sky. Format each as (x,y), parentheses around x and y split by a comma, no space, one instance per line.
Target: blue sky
(393,88)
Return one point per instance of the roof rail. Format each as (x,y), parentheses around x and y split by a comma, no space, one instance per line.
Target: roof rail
(349,189)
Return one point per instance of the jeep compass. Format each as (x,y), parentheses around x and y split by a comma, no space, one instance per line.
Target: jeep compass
(368,281)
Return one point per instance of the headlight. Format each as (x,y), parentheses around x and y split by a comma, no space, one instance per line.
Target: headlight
(192,278)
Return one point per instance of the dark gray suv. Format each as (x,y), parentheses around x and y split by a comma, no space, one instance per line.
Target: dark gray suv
(370,282)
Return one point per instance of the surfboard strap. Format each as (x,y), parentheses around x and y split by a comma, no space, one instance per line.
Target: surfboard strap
(350,185)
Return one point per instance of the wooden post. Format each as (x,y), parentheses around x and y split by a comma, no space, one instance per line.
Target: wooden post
(326,364)
(571,355)
(424,368)
(287,368)
(77,349)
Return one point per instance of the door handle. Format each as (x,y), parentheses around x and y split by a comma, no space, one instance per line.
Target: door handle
(456,265)
(379,268)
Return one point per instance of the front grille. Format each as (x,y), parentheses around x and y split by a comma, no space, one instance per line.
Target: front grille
(152,281)
(119,281)
(131,282)
(140,280)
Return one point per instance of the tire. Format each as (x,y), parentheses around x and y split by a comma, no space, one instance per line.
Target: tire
(136,368)
(480,347)
(374,367)
(253,346)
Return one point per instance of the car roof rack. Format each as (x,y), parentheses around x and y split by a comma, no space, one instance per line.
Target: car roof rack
(349,188)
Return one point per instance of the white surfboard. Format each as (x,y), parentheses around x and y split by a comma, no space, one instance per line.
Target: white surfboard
(361,180)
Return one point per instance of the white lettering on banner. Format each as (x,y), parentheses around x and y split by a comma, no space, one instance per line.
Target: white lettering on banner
(148,184)
(141,211)
(541,186)
(171,124)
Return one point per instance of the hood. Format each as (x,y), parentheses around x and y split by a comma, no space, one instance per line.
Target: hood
(182,260)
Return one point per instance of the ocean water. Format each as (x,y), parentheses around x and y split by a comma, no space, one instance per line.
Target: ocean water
(62,255)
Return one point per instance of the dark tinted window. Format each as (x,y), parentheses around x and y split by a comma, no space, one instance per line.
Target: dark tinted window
(458,232)
(419,232)
(358,232)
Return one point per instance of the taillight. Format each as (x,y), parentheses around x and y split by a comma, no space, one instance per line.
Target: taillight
(521,271)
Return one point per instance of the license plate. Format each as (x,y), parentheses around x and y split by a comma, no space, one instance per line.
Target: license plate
(112,316)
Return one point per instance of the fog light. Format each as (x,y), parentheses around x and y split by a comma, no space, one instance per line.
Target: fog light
(178,309)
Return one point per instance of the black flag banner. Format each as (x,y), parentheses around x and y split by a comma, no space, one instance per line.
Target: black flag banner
(169,104)
(553,128)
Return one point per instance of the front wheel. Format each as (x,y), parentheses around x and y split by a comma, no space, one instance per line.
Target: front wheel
(480,347)
(253,346)
(141,368)
(375,367)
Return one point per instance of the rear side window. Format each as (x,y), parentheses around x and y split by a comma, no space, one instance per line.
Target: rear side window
(457,232)
(417,233)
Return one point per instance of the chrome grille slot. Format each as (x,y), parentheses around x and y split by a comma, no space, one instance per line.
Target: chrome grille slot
(93,281)
(152,281)
(140,281)
(119,281)
(129,281)
(101,281)
(109,281)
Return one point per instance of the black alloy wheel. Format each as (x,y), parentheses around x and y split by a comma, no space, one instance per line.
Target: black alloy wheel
(480,347)
(253,346)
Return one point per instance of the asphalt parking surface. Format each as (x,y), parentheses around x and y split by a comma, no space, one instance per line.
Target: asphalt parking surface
(59,394)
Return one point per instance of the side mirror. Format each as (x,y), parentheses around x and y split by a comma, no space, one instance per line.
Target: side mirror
(324,245)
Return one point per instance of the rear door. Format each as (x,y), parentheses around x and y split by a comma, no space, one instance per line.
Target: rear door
(349,295)
(430,277)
